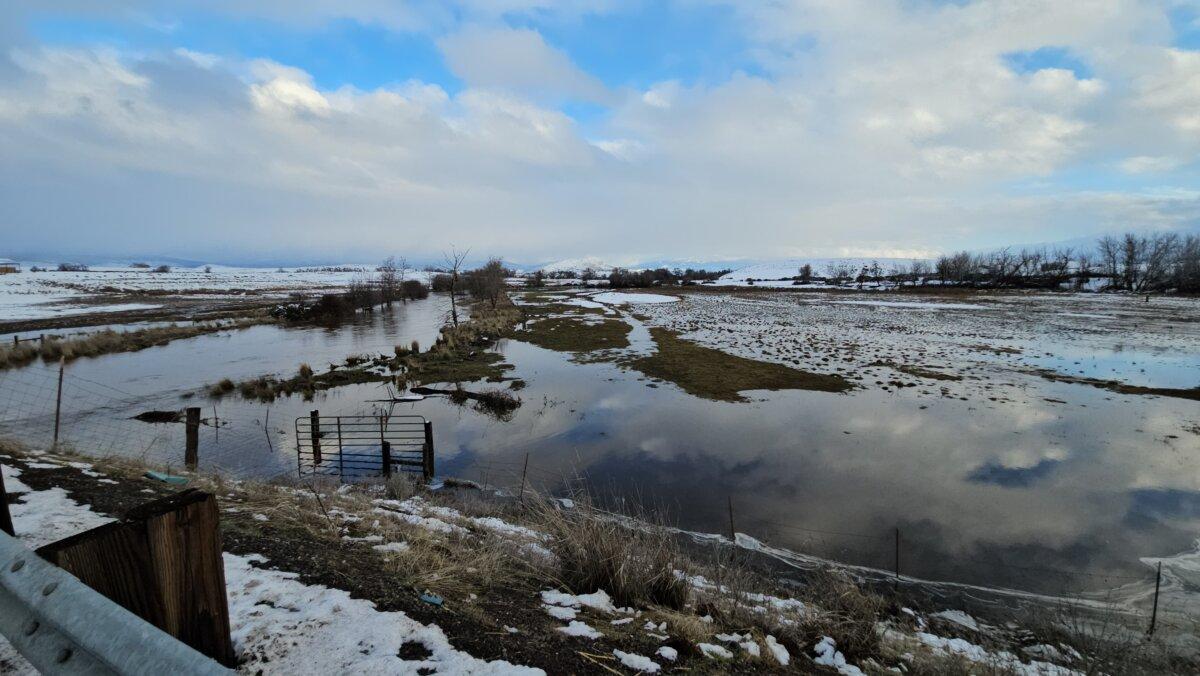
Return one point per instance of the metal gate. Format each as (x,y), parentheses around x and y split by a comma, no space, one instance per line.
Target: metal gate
(364,445)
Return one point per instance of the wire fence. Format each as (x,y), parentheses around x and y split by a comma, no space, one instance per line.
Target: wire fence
(41,407)
(881,558)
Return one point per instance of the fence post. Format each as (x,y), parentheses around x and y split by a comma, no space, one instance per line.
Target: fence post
(58,402)
(1154,612)
(732,532)
(385,448)
(314,418)
(524,470)
(897,585)
(162,562)
(387,460)
(191,455)
(341,463)
(6,523)
(428,451)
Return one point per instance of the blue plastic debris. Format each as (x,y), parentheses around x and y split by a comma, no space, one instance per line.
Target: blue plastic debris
(430,597)
(166,478)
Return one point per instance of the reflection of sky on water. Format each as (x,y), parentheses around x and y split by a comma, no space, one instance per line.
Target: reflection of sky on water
(1089,485)
(1026,482)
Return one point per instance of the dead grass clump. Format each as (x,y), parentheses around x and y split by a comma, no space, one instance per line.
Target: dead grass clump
(17,355)
(305,372)
(1105,641)
(400,487)
(497,402)
(635,564)
(262,388)
(843,611)
(108,341)
(225,386)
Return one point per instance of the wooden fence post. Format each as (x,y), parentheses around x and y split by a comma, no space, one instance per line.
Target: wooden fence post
(314,419)
(6,523)
(62,361)
(732,532)
(191,455)
(427,454)
(897,560)
(162,562)
(385,448)
(341,462)
(524,470)
(1157,584)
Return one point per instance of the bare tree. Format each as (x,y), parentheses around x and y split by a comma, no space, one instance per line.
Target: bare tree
(389,282)
(453,268)
(1109,250)
(487,282)
(806,273)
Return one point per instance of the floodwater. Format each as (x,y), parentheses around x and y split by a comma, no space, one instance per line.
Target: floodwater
(1002,479)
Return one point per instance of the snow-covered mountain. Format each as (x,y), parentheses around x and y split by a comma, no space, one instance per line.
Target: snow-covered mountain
(577,265)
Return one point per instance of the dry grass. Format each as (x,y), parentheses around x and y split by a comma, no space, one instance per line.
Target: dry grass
(713,374)
(636,566)
(843,611)
(109,341)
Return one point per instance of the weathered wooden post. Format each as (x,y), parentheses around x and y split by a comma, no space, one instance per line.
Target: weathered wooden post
(897,560)
(314,419)
(341,462)
(732,532)
(1157,584)
(6,523)
(162,562)
(62,361)
(524,470)
(427,452)
(385,448)
(191,454)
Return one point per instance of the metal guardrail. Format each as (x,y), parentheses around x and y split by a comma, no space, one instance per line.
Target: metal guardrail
(62,626)
(364,445)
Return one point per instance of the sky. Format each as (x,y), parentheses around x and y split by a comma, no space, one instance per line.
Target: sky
(234,130)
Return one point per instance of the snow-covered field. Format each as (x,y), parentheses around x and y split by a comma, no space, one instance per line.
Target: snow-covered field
(967,339)
(41,295)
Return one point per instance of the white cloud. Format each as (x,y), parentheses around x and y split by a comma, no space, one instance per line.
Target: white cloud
(879,127)
(1144,164)
(517,60)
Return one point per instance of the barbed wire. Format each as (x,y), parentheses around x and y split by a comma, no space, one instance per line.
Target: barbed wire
(94,419)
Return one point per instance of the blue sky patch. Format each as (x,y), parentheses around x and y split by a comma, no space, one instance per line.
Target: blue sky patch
(1047,57)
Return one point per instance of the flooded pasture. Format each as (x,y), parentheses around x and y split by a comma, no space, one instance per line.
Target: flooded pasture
(981,428)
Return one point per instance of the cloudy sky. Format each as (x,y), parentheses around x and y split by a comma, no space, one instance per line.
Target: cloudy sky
(538,130)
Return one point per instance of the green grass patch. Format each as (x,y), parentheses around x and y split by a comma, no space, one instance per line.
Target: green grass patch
(712,374)
(564,334)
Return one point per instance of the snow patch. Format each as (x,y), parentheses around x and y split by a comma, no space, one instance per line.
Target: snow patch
(637,662)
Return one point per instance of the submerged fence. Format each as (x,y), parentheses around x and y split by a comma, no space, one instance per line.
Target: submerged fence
(884,560)
(44,406)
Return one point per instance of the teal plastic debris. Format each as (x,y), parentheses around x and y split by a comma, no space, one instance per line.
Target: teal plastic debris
(166,478)
(430,597)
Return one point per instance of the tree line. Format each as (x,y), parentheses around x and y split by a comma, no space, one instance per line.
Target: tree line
(1131,262)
